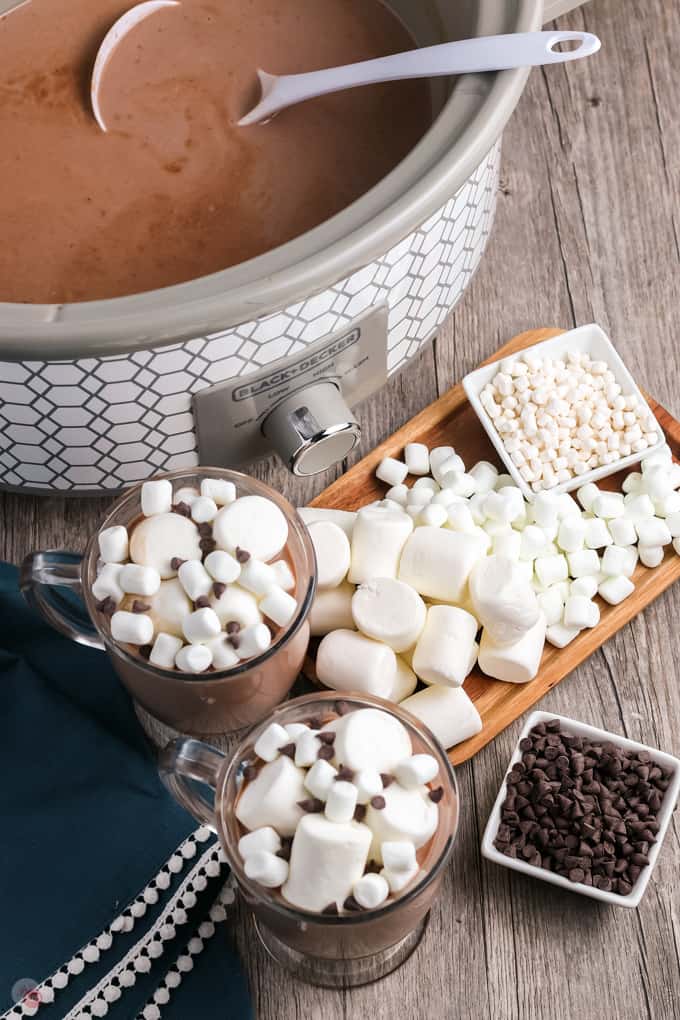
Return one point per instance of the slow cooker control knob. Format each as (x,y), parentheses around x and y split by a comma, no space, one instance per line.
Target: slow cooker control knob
(312,429)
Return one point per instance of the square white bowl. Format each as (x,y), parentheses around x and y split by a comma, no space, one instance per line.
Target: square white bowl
(664,816)
(589,340)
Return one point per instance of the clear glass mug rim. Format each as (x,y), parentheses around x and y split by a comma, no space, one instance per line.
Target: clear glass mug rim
(360,917)
(91,555)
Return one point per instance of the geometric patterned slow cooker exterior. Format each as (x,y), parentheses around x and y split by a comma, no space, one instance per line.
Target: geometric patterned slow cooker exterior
(95,424)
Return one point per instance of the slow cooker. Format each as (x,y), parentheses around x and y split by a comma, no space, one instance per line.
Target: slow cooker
(272,353)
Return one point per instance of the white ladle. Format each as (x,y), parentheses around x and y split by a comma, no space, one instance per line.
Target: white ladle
(486,53)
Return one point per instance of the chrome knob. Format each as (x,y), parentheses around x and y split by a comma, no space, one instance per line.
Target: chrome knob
(312,429)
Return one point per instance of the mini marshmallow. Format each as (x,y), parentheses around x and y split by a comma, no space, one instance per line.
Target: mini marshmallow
(237,605)
(341,802)
(460,483)
(219,490)
(451,465)
(348,661)
(437,562)
(632,482)
(320,779)
(398,880)
(223,652)
(278,606)
(113,544)
(391,471)
(223,567)
(253,640)
(266,869)
(444,648)
(253,523)
(656,481)
(587,494)
(586,586)
(439,455)
(447,711)
(597,534)
(377,542)
(551,569)
(156,497)
(580,612)
(545,509)
(432,516)
(615,589)
(370,891)
(560,636)
(417,770)
(264,838)
(398,855)
(193,659)
(504,505)
(417,457)
(368,784)
(460,518)
(201,625)
(106,584)
(608,505)
(271,798)
(517,663)
(398,494)
(132,628)
(583,562)
(390,611)
(639,508)
(408,816)
(138,580)
(285,578)
(653,532)
(343,518)
(332,550)
(257,577)
(508,545)
(485,475)
(667,505)
(551,605)
(203,510)
(195,579)
(270,741)
(307,747)
(418,498)
(165,648)
(502,600)
(327,860)
(622,531)
(673,524)
(371,739)
(651,555)
(332,610)
(534,542)
(187,494)
(619,560)
(571,534)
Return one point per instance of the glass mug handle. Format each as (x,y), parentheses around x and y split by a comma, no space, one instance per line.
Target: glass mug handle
(50,582)
(185,760)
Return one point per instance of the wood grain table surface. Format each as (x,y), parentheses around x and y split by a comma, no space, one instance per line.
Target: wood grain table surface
(588,228)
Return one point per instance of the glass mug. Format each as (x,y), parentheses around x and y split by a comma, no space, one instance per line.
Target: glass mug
(337,951)
(205,703)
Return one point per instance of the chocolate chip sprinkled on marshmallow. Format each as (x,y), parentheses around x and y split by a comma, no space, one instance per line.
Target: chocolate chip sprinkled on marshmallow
(131,628)
(193,659)
(370,891)
(113,544)
(138,580)
(269,742)
(222,491)
(156,497)
(266,868)
(164,650)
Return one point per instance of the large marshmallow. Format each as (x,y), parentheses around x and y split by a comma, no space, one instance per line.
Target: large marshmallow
(272,797)
(447,711)
(157,540)
(331,547)
(405,681)
(502,599)
(169,607)
(408,815)
(348,661)
(378,539)
(444,649)
(516,663)
(437,562)
(389,611)
(343,518)
(332,610)
(327,859)
(238,605)
(371,739)
(254,524)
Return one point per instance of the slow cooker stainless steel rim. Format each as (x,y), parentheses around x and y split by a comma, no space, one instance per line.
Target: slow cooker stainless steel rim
(474,115)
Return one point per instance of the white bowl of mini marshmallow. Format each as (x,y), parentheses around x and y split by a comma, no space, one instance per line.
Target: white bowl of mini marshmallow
(564,412)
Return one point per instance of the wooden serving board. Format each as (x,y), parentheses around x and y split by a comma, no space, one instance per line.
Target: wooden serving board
(452,421)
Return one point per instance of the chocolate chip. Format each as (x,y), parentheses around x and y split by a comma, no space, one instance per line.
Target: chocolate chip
(140,607)
(284,853)
(373,868)
(202,602)
(326,736)
(234,640)
(345,774)
(176,562)
(107,606)
(232,627)
(312,805)
(250,772)
(288,750)
(378,802)
(204,529)
(436,794)
(343,707)
(331,909)
(242,555)
(218,589)
(386,779)
(314,723)
(359,812)
(145,651)
(207,545)
(325,753)
(351,904)
(184,510)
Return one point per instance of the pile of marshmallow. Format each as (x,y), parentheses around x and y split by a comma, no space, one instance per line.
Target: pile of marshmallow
(559,418)
(336,812)
(406,583)
(194,580)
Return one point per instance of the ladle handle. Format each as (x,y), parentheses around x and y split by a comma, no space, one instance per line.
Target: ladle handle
(486,53)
